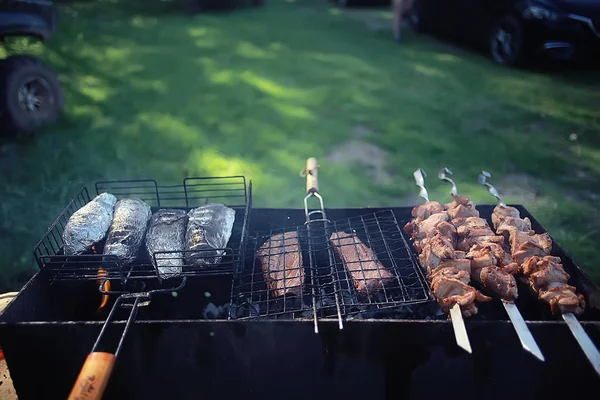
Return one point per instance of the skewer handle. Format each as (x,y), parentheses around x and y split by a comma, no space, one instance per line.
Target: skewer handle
(94,376)
(444,175)
(420,176)
(312,182)
(482,179)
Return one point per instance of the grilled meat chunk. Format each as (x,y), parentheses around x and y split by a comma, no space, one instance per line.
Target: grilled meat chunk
(427,226)
(479,253)
(461,207)
(498,281)
(520,240)
(443,228)
(501,213)
(548,272)
(563,299)
(484,260)
(368,274)
(470,221)
(436,249)
(281,263)
(511,223)
(453,291)
(457,269)
(423,211)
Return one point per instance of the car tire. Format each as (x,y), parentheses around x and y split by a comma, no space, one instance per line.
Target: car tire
(30,93)
(506,42)
(415,18)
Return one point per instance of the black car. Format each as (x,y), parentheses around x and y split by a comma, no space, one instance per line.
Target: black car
(516,31)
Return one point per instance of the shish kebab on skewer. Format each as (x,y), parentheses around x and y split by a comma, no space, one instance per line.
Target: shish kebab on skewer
(455,244)
(447,268)
(492,267)
(479,255)
(546,275)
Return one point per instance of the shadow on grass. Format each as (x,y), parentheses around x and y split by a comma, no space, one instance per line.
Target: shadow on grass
(154,93)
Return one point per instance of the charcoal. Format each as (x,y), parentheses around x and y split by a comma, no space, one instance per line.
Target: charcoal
(281,264)
(368,274)
(166,232)
(127,230)
(208,232)
(88,225)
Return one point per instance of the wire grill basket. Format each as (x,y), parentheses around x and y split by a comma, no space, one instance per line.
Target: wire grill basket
(365,263)
(193,192)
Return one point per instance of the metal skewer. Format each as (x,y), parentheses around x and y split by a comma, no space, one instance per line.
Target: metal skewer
(527,340)
(458,323)
(312,190)
(584,341)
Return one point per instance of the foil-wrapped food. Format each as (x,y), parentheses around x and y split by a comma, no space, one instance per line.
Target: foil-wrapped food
(166,232)
(208,232)
(88,225)
(126,233)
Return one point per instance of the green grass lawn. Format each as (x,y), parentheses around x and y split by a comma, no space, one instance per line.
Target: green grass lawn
(152,92)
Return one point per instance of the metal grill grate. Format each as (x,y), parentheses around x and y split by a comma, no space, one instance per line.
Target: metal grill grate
(374,267)
(256,293)
(383,263)
(194,192)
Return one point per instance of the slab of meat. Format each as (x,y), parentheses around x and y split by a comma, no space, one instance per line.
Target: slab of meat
(281,263)
(368,274)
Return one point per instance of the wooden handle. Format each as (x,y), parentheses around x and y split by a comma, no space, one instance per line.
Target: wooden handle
(94,376)
(312,182)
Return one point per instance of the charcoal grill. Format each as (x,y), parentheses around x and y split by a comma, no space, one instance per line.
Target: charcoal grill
(133,278)
(186,346)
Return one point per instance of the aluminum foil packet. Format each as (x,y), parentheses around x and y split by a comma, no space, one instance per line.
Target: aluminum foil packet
(126,233)
(166,232)
(88,225)
(209,229)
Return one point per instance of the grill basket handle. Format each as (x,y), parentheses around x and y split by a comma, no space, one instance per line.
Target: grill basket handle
(312,182)
(93,378)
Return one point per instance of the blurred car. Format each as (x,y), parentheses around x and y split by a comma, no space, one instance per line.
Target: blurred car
(362,3)
(516,31)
